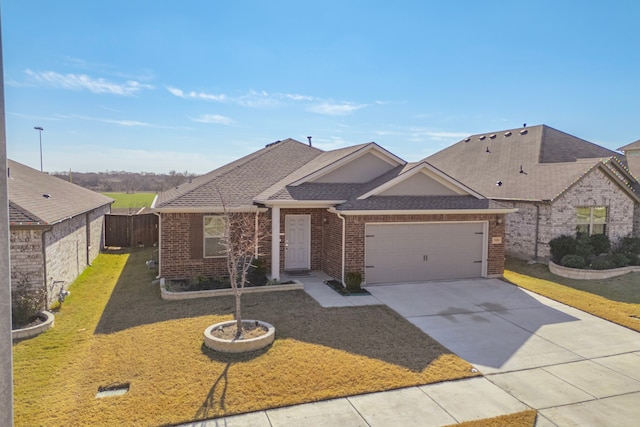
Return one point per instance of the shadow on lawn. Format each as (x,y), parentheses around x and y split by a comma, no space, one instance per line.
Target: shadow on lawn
(373,331)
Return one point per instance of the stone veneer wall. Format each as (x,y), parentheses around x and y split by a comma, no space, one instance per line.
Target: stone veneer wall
(355,245)
(520,230)
(70,246)
(27,257)
(595,189)
(560,217)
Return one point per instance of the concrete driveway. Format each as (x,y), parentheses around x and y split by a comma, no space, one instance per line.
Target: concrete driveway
(575,368)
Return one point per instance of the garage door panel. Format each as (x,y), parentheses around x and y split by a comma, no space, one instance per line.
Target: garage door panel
(425,251)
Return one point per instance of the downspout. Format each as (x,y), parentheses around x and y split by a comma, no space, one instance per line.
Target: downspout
(535,244)
(344,235)
(159,242)
(87,225)
(44,264)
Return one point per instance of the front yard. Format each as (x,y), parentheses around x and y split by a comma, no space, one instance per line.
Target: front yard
(616,299)
(115,329)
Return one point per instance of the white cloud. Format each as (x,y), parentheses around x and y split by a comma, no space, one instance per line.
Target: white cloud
(436,135)
(128,123)
(214,118)
(85,82)
(196,95)
(332,109)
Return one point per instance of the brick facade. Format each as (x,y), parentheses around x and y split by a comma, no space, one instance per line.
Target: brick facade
(69,247)
(178,261)
(178,258)
(355,237)
(560,217)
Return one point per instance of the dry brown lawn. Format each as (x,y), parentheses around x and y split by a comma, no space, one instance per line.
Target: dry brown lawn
(566,292)
(519,419)
(115,329)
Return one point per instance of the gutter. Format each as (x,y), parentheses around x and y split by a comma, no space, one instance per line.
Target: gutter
(426,211)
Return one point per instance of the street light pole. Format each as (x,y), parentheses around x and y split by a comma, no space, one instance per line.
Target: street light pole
(39,129)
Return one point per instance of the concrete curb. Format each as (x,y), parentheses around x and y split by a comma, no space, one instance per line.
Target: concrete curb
(47,324)
(168,295)
(239,346)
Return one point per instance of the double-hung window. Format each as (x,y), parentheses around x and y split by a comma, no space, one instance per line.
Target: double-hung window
(214,227)
(592,220)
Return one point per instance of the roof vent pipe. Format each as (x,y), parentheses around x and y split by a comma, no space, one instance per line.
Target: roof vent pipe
(309,138)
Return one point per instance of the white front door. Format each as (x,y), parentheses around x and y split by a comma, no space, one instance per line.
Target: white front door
(297,249)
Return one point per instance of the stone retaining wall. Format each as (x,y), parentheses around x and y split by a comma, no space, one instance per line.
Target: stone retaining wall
(582,274)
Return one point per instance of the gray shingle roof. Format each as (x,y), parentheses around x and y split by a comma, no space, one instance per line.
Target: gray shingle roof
(633,146)
(415,203)
(28,201)
(238,182)
(277,191)
(265,176)
(534,163)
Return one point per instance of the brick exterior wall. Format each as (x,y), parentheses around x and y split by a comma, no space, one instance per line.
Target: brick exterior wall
(560,217)
(70,246)
(332,246)
(178,259)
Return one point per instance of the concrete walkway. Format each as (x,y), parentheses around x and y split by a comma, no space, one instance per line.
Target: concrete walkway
(574,368)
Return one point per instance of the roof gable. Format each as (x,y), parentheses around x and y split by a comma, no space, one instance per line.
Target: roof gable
(358,166)
(421,179)
(630,147)
(39,198)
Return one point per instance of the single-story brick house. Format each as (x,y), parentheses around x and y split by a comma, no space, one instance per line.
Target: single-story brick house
(56,228)
(559,184)
(359,208)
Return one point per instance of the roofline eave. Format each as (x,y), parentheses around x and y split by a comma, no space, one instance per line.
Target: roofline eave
(425,211)
(211,209)
(300,203)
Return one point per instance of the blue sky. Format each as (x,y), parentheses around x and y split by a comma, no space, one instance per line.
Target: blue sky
(167,85)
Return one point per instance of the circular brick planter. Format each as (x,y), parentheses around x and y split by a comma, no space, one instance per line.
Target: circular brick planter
(239,346)
(47,323)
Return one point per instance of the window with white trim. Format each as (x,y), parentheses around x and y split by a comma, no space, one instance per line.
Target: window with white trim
(592,220)
(214,227)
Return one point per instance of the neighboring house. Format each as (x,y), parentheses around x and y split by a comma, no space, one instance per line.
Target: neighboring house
(560,184)
(358,208)
(56,228)
(632,155)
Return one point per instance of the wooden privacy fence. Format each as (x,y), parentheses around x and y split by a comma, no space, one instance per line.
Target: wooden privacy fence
(130,231)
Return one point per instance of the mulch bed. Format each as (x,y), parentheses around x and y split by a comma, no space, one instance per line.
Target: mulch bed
(228,332)
(337,286)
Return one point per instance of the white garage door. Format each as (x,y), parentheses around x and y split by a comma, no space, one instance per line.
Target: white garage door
(423,251)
